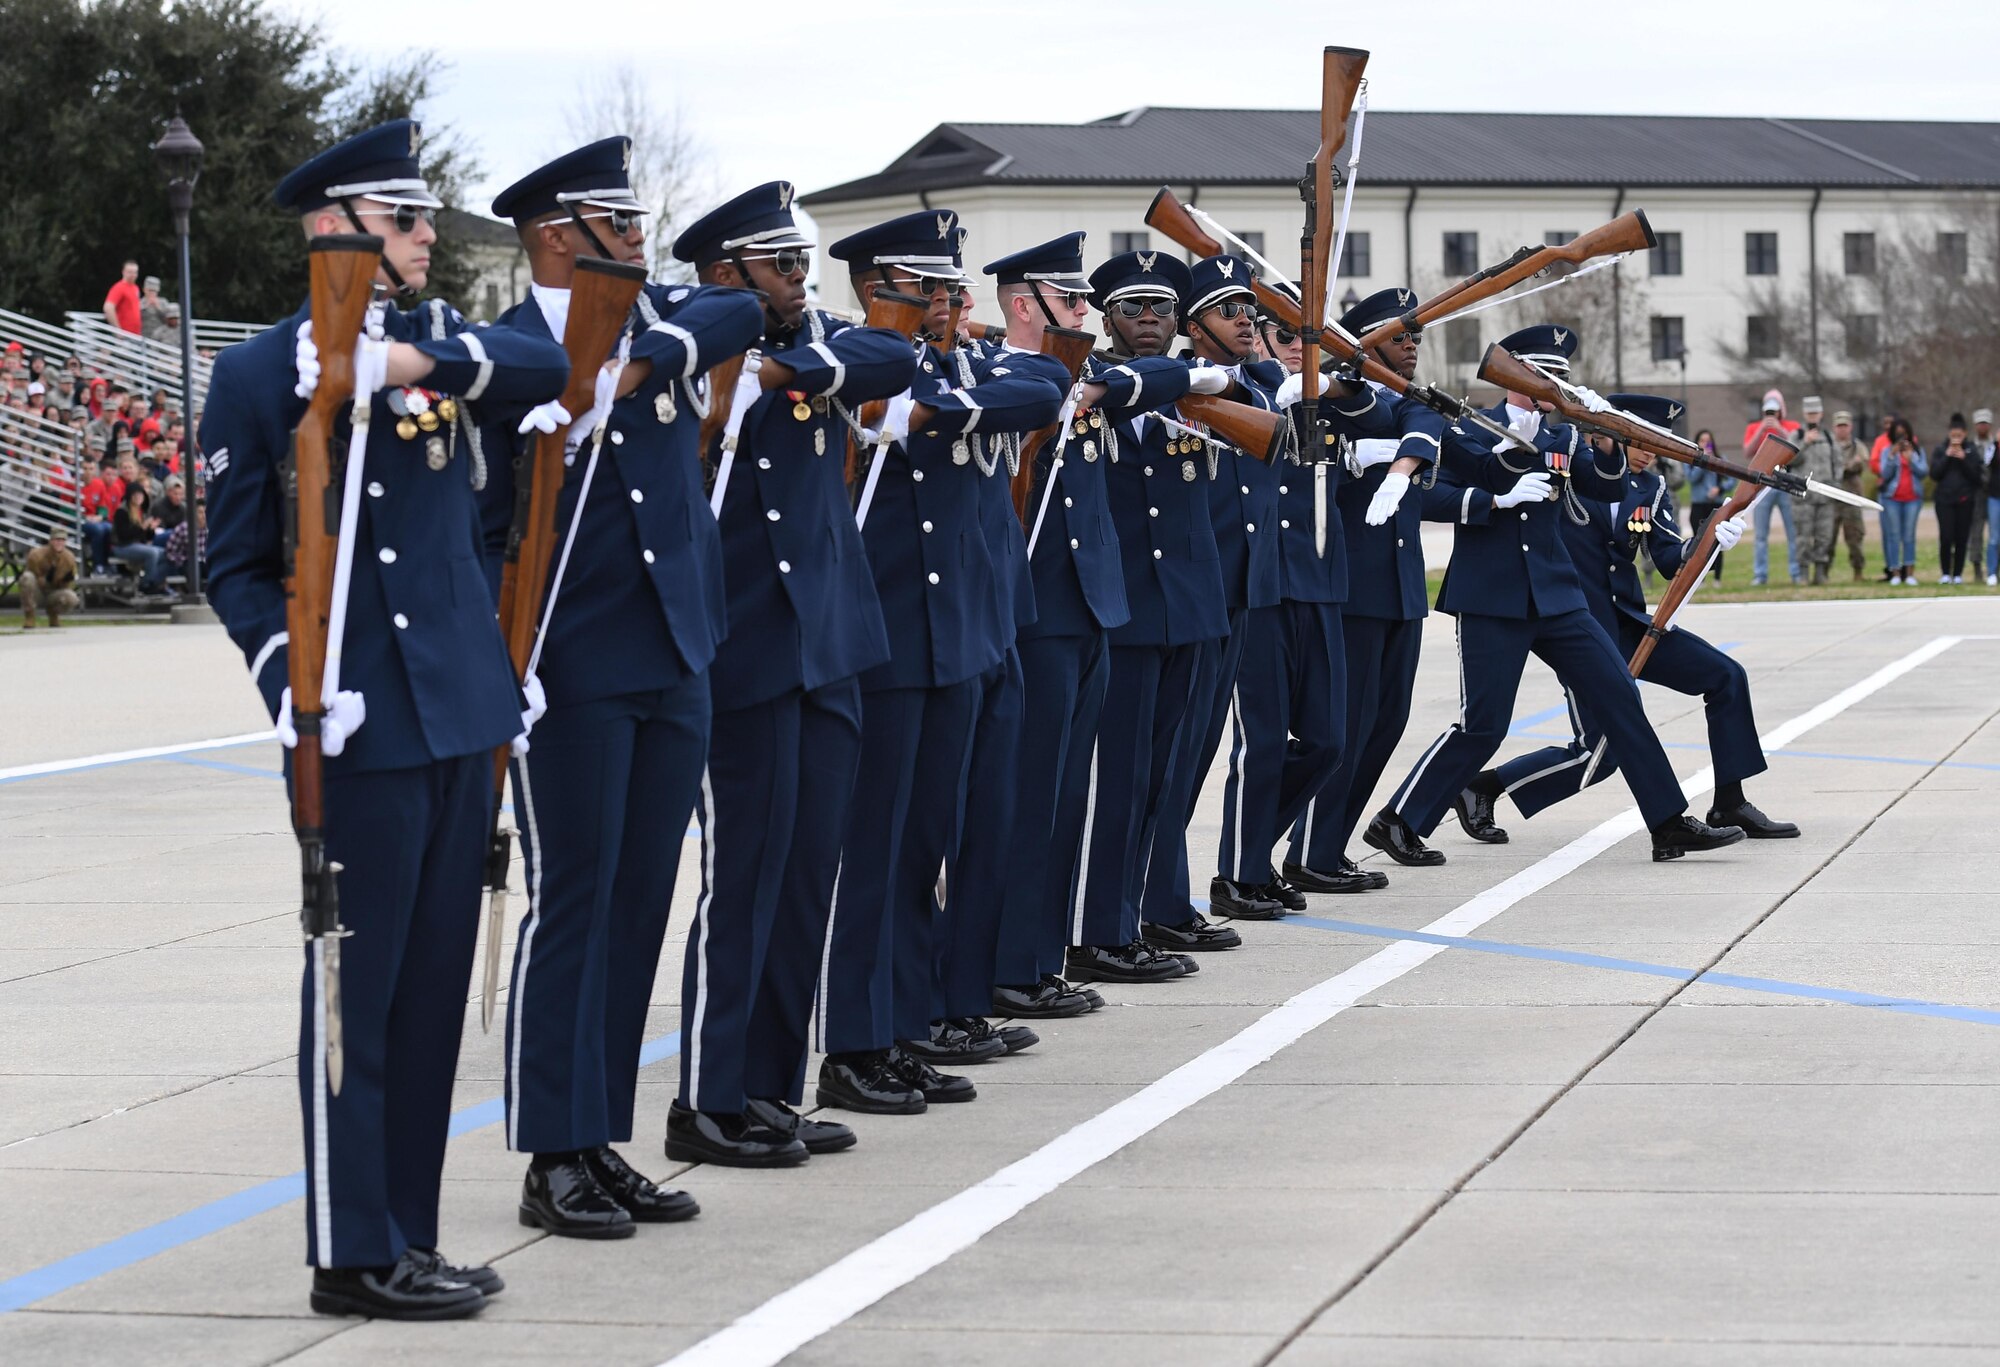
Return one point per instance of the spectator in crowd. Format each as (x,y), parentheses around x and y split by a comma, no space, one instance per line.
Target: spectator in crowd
(1986,526)
(49,580)
(1704,492)
(167,450)
(1901,470)
(121,305)
(99,428)
(1817,459)
(135,477)
(1956,480)
(172,510)
(132,541)
(100,397)
(1773,419)
(159,321)
(102,497)
(139,422)
(1881,443)
(177,544)
(73,378)
(1848,523)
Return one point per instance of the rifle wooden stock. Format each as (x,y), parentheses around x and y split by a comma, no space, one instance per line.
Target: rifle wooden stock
(904,313)
(1340,82)
(1072,348)
(1628,232)
(343,281)
(1772,453)
(984,332)
(1244,426)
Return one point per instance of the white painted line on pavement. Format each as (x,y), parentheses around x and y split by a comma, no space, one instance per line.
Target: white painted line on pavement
(829,1298)
(63,766)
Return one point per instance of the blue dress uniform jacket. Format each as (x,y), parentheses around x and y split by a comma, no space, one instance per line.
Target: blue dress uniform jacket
(1166,540)
(1385,564)
(408,804)
(1243,503)
(816,620)
(641,603)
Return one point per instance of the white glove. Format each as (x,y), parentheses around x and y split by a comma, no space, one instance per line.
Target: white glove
(1371,451)
(1727,534)
(1524,423)
(545,418)
(1208,379)
(342,720)
(1530,488)
(1592,400)
(604,395)
(1291,391)
(896,421)
(305,359)
(1382,507)
(538,703)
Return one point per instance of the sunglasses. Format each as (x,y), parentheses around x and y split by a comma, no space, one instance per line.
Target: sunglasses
(1236,308)
(924,286)
(622,220)
(787,260)
(1284,336)
(406,216)
(1069,299)
(1138,308)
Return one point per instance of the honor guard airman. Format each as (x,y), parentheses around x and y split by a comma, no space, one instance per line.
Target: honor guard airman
(630,629)
(408,796)
(1514,590)
(1611,538)
(956,427)
(804,623)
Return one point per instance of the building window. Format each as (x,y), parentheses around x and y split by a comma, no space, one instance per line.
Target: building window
(1355,258)
(1254,241)
(492,301)
(1669,339)
(1461,342)
(1857,253)
(1760,253)
(1760,340)
(1557,238)
(1863,330)
(1666,257)
(1951,253)
(1461,253)
(1130,242)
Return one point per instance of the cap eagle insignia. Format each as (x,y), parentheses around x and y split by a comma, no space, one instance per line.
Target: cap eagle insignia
(1403,298)
(944,226)
(1562,338)
(1146,260)
(1227,267)
(784,194)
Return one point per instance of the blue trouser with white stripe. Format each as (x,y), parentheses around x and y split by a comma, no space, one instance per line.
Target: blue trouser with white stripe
(1683,662)
(1164,889)
(1288,720)
(1491,653)
(880,983)
(976,886)
(1381,657)
(411,843)
(1145,703)
(772,807)
(1065,679)
(603,797)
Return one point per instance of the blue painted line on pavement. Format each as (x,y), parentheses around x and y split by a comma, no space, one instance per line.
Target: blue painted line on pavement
(1905,1005)
(223,766)
(220,1214)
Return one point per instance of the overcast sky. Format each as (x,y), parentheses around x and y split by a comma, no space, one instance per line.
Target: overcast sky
(826,94)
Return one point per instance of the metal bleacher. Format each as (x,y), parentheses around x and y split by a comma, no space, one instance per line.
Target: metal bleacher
(139,363)
(40,476)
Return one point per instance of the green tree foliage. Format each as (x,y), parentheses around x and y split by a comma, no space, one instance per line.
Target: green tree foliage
(87,85)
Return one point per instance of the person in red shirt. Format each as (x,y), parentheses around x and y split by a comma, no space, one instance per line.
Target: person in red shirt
(121,305)
(1772,419)
(101,498)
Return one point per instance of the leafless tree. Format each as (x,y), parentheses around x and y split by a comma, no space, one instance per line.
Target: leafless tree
(672,167)
(1604,314)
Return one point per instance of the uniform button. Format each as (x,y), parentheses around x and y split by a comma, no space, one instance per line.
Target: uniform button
(784,567)
(932,576)
(1152,512)
(1156,555)
(1399,542)
(1069,503)
(1246,488)
(771,516)
(763,462)
(617,438)
(374,488)
(1284,489)
(917,475)
(638,496)
(927,525)
(1149,469)
(401,621)
(647,556)
(1284,524)
(1074,544)
(1249,526)
(1524,546)
(1524,517)
(386,556)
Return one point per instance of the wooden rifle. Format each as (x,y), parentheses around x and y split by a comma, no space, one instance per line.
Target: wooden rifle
(903,313)
(343,271)
(1340,82)
(1773,453)
(1258,431)
(601,298)
(1628,232)
(1072,348)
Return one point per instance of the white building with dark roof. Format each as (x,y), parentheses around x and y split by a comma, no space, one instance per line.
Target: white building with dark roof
(1746,209)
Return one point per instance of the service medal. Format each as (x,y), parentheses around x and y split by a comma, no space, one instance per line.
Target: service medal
(447,408)
(417,401)
(396,404)
(427,420)
(1187,471)
(663,405)
(802,410)
(1080,429)
(435,455)
(1096,418)
(819,404)
(406,428)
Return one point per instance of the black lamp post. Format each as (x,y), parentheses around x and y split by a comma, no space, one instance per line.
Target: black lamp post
(1349,300)
(179,154)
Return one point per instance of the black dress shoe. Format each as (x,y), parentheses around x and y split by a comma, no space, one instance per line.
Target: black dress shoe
(1197,935)
(644,1201)
(1475,813)
(562,1195)
(728,1141)
(1312,880)
(937,1088)
(1013,1038)
(866,1083)
(1755,824)
(1133,963)
(819,1136)
(1284,894)
(1376,878)
(949,1044)
(1675,836)
(1392,835)
(1040,1001)
(405,1291)
(1241,902)
(1090,995)
(482,1279)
